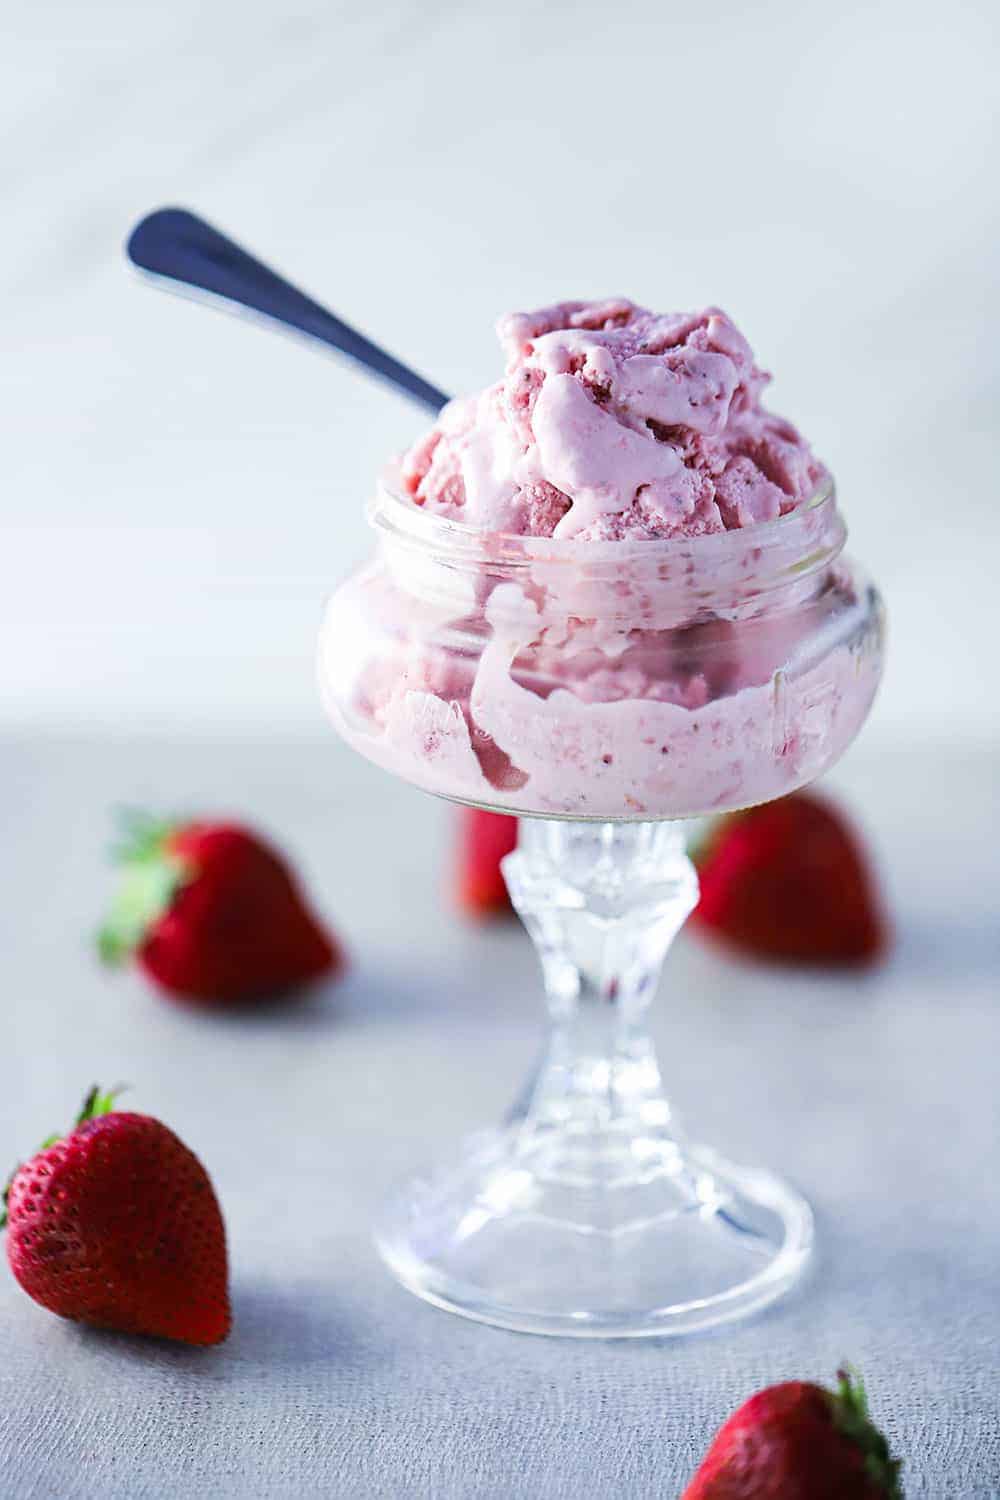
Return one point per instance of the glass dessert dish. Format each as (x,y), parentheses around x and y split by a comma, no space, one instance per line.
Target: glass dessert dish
(608,595)
(603,691)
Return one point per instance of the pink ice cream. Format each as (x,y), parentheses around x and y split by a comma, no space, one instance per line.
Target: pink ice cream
(642,611)
(612,422)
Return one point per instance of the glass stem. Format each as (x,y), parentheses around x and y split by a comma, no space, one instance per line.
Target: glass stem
(602,902)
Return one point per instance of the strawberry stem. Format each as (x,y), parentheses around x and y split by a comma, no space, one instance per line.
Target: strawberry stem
(703,840)
(151,876)
(139,834)
(95,1104)
(851,1417)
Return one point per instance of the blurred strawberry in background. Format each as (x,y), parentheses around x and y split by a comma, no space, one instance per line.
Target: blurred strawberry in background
(213,914)
(789,881)
(483,839)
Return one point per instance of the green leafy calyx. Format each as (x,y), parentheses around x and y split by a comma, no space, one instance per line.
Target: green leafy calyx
(95,1105)
(707,837)
(851,1417)
(152,873)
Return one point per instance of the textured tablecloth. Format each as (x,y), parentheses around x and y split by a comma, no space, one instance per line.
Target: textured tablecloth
(878,1096)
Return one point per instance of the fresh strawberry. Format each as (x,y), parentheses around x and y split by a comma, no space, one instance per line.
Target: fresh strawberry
(213,914)
(797,1441)
(790,881)
(118,1225)
(484,838)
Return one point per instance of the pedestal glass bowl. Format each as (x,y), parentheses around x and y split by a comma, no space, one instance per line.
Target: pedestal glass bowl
(603,692)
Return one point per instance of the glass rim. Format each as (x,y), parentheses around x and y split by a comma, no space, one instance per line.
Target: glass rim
(791,546)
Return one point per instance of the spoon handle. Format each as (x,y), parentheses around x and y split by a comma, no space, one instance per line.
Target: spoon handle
(177,246)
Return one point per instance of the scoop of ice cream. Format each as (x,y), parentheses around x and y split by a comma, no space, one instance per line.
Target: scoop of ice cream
(614,422)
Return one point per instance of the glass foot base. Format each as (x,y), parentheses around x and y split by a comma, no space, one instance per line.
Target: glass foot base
(585,1236)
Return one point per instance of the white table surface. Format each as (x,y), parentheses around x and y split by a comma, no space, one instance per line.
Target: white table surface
(878,1096)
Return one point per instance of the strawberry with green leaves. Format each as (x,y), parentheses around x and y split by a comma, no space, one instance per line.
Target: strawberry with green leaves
(797,1441)
(213,914)
(117,1225)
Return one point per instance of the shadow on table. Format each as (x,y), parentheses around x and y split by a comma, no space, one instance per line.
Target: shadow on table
(288,1327)
(361,996)
(105,1346)
(947,946)
(462,981)
(272,1328)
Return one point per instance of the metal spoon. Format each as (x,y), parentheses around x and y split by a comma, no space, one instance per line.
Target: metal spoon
(174,246)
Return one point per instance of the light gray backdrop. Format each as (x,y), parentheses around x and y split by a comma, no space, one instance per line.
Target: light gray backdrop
(182,491)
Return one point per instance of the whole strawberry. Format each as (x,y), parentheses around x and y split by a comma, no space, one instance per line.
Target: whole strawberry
(117,1225)
(790,881)
(484,838)
(797,1441)
(213,914)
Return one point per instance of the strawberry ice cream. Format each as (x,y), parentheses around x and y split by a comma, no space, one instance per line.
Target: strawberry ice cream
(614,422)
(607,587)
